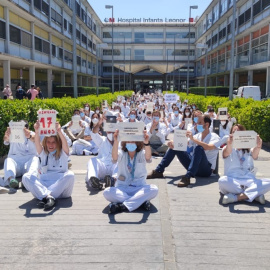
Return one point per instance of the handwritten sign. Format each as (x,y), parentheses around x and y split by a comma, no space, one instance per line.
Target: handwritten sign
(76,122)
(244,139)
(188,123)
(47,120)
(130,131)
(150,106)
(110,124)
(171,98)
(223,113)
(180,140)
(17,132)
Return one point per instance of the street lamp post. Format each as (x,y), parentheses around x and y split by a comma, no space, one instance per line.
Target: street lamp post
(173,59)
(111,7)
(191,7)
(130,70)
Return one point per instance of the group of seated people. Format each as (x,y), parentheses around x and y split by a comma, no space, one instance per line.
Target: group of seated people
(121,166)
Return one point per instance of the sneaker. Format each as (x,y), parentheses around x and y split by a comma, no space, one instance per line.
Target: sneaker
(42,202)
(4,190)
(13,183)
(154,174)
(260,199)
(229,198)
(117,208)
(146,205)
(184,181)
(49,203)
(109,181)
(95,182)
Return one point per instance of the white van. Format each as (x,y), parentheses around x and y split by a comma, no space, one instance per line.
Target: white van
(248,92)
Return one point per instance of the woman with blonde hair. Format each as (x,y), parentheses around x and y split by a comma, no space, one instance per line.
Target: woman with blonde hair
(53,179)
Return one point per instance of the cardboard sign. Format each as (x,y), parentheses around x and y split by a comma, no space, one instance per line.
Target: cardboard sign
(216,125)
(244,139)
(76,122)
(188,121)
(47,120)
(180,140)
(223,113)
(171,98)
(17,132)
(110,124)
(150,106)
(130,131)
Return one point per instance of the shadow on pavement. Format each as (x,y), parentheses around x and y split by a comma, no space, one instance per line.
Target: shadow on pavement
(30,205)
(199,181)
(145,215)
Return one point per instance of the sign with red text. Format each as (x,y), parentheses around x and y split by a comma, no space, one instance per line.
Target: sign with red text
(47,120)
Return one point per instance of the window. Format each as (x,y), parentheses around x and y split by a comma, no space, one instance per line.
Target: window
(214,39)
(78,34)
(90,43)
(68,56)
(260,6)
(94,27)
(45,47)
(38,44)
(84,39)
(53,50)
(15,34)
(26,39)
(42,6)
(78,9)
(37,4)
(153,35)
(2,29)
(56,17)
(79,60)
(70,28)
(94,46)
(229,28)
(244,17)
(65,24)
(45,8)
(60,53)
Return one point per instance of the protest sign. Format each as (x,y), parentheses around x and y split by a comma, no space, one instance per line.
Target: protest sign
(170,98)
(129,131)
(180,140)
(110,124)
(223,113)
(17,132)
(244,139)
(76,122)
(47,120)
(188,121)
(150,106)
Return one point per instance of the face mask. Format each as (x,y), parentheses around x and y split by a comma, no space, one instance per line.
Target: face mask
(132,116)
(131,147)
(156,118)
(195,119)
(82,114)
(53,152)
(156,108)
(193,107)
(117,111)
(187,113)
(222,123)
(110,136)
(95,121)
(97,111)
(200,128)
(86,108)
(176,112)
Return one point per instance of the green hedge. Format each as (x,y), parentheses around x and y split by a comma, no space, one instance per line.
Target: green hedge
(60,91)
(25,109)
(211,90)
(254,115)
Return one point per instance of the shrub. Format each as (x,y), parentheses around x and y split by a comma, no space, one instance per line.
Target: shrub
(25,109)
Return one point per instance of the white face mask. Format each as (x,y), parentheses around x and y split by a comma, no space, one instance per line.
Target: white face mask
(110,136)
(222,123)
(117,111)
(97,111)
(95,121)
(86,108)
(187,113)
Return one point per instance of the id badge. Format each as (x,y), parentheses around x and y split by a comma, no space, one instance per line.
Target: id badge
(44,169)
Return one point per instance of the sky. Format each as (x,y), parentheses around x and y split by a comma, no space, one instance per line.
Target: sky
(170,9)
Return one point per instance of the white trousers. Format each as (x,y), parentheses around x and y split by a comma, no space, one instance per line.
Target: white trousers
(131,197)
(78,148)
(97,168)
(17,166)
(58,185)
(251,187)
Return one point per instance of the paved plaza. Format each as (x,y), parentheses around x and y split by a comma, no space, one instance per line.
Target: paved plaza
(187,228)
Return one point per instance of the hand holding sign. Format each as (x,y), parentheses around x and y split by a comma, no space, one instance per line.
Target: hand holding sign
(180,140)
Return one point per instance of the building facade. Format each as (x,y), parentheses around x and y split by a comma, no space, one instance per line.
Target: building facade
(64,42)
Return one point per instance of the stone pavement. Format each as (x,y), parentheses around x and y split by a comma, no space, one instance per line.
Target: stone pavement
(187,228)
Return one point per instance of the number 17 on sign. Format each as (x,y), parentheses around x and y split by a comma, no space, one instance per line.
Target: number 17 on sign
(47,120)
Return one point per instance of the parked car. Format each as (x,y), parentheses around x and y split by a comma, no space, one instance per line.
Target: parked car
(248,92)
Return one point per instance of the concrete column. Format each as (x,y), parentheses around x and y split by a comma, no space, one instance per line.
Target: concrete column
(250,77)
(226,80)
(63,78)
(236,79)
(7,43)
(267,88)
(268,54)
(32,75)
(250,50)
(50,55)
(6,70)
(49,82)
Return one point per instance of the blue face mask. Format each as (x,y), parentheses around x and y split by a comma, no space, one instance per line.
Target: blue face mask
(131,147)
(132,116)
(176,112)
(195,120)
(156,118)
(200,128)
(82,114)
(53,152)
(193,107)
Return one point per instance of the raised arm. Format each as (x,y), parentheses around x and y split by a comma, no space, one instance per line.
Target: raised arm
(115,146)
(96,128)
(62,137)
(228,148)
(256,150)
(6,136)
(148,153)
(37,138)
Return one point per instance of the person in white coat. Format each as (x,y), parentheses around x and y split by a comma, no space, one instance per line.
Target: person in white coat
(53,180)
(131,191)
(239,182)
(22,158)
(101,168)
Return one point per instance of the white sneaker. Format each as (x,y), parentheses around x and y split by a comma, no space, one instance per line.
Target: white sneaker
(229,198)
(4,190)
(260,199)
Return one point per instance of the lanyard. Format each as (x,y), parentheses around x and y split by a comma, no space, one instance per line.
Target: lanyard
(241,159)
(131,167)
